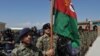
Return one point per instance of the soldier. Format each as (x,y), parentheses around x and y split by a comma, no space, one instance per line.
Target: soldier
(95,28)
(1,40)
(43,43)
(24,48)
(8,41)
(34,37)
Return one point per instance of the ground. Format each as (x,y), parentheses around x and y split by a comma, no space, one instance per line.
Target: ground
(95,49)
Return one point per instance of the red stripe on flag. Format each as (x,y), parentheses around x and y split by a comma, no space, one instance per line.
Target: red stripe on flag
(61,6)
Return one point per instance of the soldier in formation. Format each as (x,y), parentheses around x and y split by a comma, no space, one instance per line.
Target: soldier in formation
(43,43)
(24,48)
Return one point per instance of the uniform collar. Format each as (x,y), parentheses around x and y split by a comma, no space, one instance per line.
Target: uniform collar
(22,46)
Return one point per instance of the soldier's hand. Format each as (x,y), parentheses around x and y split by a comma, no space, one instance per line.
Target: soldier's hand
(50,52)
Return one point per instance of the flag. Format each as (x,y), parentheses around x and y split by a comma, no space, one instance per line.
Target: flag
(65,21)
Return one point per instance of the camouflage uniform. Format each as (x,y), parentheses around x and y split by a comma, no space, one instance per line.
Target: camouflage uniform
(43,44)
(21,50)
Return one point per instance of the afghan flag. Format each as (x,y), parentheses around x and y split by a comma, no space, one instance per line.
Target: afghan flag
(65,21)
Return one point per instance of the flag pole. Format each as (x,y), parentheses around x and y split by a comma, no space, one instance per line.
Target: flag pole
(51,24)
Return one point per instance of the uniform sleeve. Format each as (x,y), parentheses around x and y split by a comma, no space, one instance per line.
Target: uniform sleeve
(55,43)
(39,43)
(14,52)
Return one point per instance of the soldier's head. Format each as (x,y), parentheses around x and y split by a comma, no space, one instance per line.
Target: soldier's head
(25,36)
(46,28)
(34,29)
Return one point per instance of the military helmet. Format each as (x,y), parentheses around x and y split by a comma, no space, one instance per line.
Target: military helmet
(23,32)
(46,26)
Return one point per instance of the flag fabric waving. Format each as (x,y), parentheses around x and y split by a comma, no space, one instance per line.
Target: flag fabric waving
(65,21)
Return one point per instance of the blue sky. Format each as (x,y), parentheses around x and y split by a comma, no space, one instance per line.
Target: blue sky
(27,13)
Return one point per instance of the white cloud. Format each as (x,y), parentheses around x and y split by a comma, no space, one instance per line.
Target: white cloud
(29,24)
(39,24)
(25,24)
